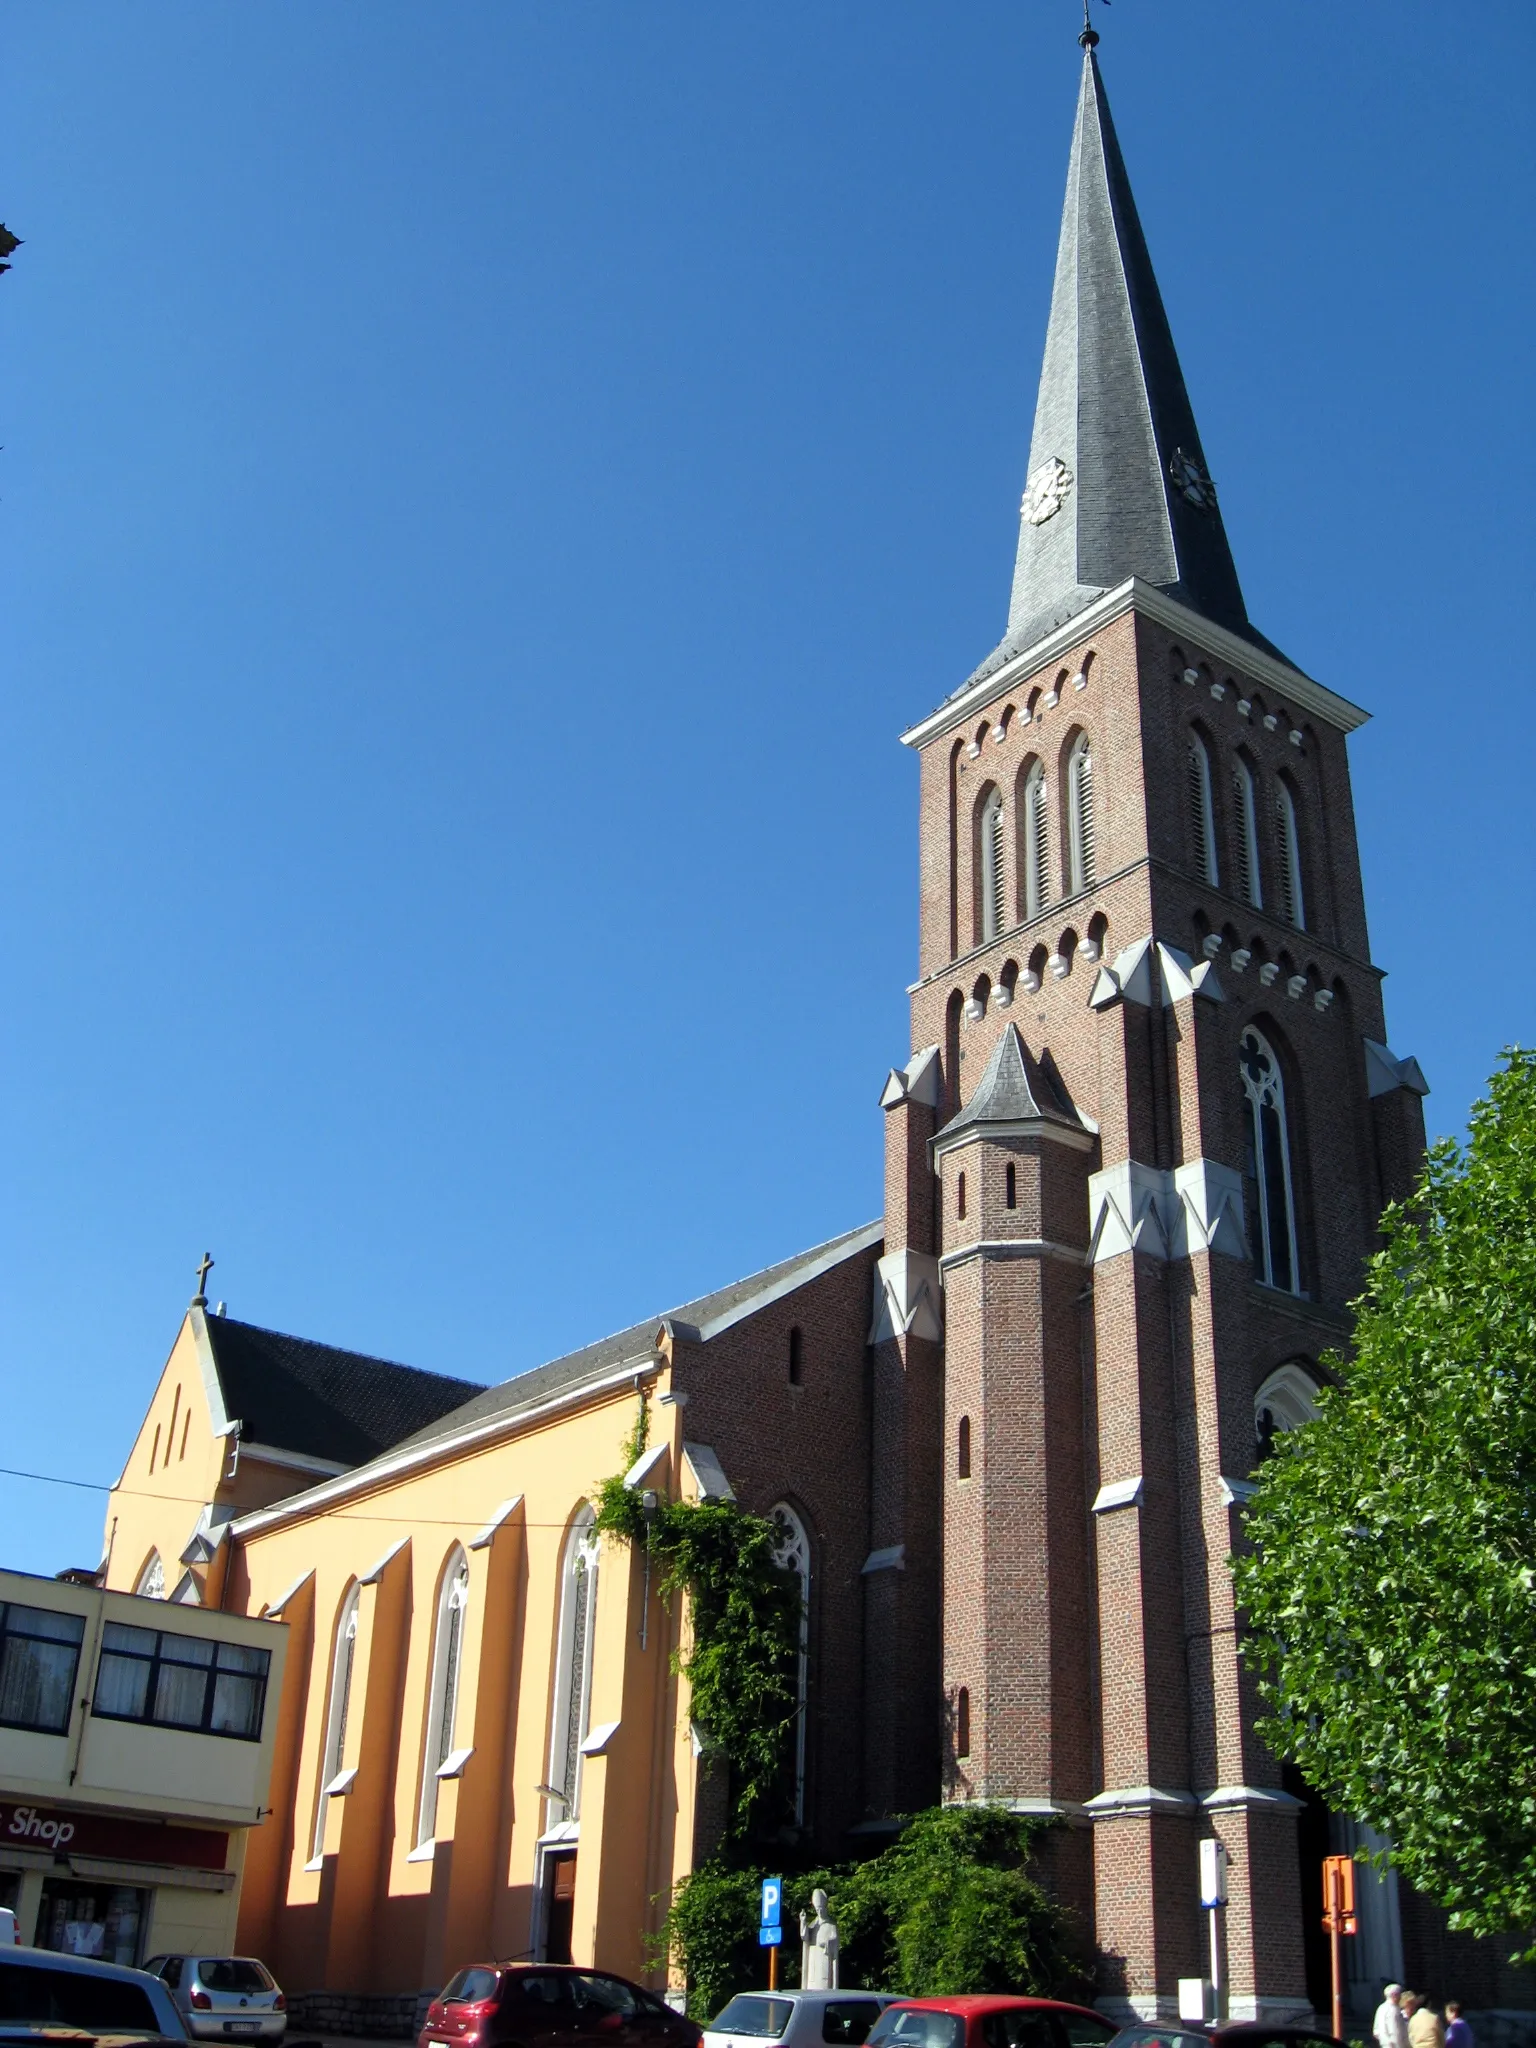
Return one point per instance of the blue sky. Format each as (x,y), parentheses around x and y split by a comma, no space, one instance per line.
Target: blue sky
(482,490)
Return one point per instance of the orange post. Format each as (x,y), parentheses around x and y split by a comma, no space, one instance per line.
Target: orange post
(773,1967)
(1339,1919)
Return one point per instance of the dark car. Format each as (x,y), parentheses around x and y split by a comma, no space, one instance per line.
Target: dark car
(1231,2034)
(990,2021)
(550,2005)
(48,1997)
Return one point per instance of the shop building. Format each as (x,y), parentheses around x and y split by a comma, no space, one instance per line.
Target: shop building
(135,1756)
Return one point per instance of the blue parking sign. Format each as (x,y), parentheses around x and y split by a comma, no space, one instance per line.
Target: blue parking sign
(769,1937)
(773,1900)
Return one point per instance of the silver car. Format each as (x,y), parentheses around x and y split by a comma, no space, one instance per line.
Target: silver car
(42,1992)
(797,2019)
(224,1998)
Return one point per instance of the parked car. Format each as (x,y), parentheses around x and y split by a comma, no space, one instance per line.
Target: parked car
(1230,2034)
(991,2021)
(550,2005)
(42,1992)
(797,2019)
(224,1998)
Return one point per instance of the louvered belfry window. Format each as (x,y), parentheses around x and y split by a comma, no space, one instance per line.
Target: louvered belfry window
(992,872)
(1268,1200)
(1246,822)
(1201,810)
(1036,863)
(1292,908)
(1081,848)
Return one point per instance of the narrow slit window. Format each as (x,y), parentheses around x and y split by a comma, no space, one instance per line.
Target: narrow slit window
(1292,908)
(1246,819)
(1035,865)
(1082,848)
(960,1197)
(963,1448)
(963,1723)
(992,875)
(796,1357)
(1201,811)
(1011,1186)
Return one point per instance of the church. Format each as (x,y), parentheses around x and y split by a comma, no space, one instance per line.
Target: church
(1135,1152)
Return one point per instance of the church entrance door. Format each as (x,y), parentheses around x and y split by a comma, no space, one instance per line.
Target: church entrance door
(559,1904)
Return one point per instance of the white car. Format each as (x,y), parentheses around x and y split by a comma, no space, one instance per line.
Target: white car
(797,2019)
(224,1998)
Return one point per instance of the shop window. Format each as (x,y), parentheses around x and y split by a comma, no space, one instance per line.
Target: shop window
(104,1921)
(39,1656)
(148,1674)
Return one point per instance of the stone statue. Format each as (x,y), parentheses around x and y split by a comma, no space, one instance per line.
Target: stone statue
(818,1947)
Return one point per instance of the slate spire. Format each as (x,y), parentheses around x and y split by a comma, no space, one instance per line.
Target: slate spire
(1117,484)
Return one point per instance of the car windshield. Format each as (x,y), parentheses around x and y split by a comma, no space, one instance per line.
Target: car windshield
(1159,2037)
(232,1973)
(469,1987)
(765,2017)
(909,2027)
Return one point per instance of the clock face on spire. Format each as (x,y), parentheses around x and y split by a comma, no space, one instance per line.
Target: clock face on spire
(1046,491)
(1192,480)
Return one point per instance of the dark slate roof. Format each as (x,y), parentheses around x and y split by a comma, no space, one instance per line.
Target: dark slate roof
(320,1402)
(593,1361)
(1112,407)
(1015,1089)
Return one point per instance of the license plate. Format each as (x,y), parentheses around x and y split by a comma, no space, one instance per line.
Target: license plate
(242,2026)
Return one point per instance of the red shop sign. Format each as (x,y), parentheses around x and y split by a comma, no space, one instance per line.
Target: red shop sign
(62,1829)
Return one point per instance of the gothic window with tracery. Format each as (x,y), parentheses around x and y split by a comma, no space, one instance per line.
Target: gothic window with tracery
(443,1694)
(151,1584)
(1267,1191)
(792,1553)
(573,1689)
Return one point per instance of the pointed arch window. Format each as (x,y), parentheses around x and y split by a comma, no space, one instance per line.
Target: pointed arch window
(1035,863)
(1292,909)
(992,872)
(1080,817)
(1202,813)
(151,1584)
(337,1708)
(1245,818)
(573,1670)
(443,1693)
(1267,1187)
(792,1553)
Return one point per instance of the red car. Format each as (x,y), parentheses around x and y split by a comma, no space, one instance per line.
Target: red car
(986,2021)
(550,2005)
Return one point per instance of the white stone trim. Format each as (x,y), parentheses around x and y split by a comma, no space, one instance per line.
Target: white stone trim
(498,1521)
(1119,1493)
(800,1275)
(1137,1801)
(1229,650)
(708,1473)
(452,1765)
(1236,1493)
(596,1740)
(1167,1214)
(892,1559)
(645,1465)
(1268,1797)
(909,1297)
(1012,1248)
(372,1576)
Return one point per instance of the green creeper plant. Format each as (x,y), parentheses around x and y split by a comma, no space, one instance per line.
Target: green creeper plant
(745,1611)
(950,1906)
(1390,1590)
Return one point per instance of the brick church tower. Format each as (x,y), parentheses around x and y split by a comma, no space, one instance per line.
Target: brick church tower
(1133,1168)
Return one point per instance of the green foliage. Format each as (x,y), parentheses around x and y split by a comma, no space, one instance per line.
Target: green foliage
(1391,1591)
(746,1627)
(949,1907)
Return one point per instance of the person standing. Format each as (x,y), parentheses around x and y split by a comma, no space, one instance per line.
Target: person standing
(1426,2029)
(1458,2032)
(1391,2025)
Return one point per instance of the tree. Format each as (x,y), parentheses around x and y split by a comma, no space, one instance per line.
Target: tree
(1390,1591)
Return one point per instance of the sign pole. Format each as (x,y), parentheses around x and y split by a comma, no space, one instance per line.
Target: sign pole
(773,1970)
(1335,1953)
